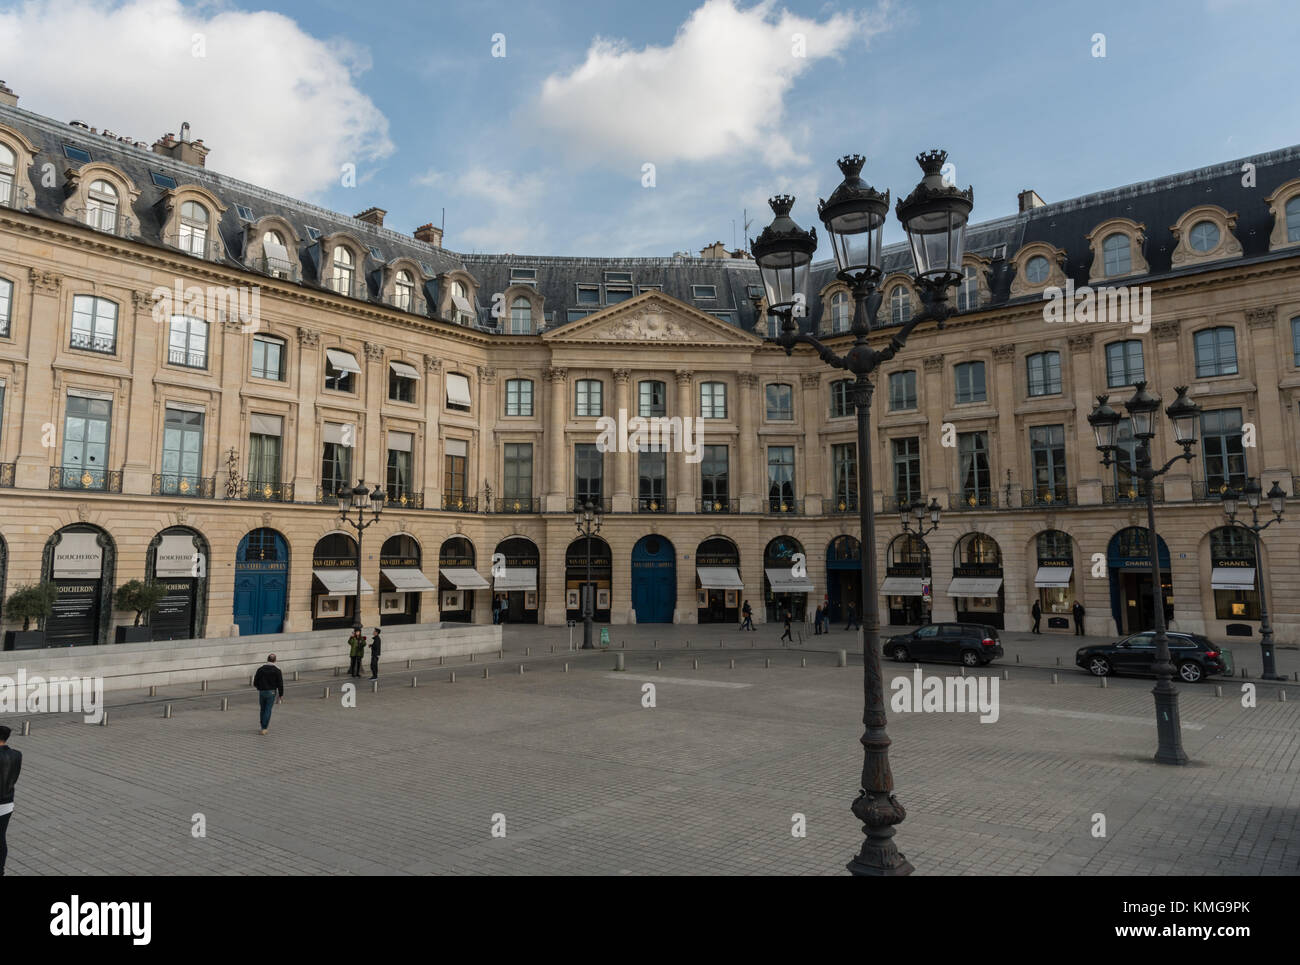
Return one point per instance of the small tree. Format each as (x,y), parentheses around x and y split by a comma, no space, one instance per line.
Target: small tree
(32,602)
(139,596)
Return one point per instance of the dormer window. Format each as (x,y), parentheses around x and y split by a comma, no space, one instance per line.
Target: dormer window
(341,280)
(900,305)
(462,308)
(840,312)
(101,207)
(968,291)
(193,236)
(404,291)
(521,317)
(1117,253)
(1204,236)
(1292,219)
(7,165)
(1037,270)
(277,255)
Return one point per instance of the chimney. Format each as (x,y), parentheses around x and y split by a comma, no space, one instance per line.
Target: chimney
(374,216)
(7,97)
(715,250)
(184,150)
(429,235)
(1029,199)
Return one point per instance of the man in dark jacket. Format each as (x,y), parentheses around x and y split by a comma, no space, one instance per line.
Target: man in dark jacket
(11,762)
(852,618)
(1078,618)
(817,621)
(269,683)
(374,655)
(1036,612)
(356,650)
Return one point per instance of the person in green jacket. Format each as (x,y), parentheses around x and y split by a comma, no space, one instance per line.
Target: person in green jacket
(356,650)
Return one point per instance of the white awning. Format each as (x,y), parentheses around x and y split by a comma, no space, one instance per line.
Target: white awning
(457,389)
(901,586)
(339,433)
(342,582)
(264,425)
(516,578)
(403,370)
(719,578)
(343,361)
(407,579)
(1232,578)
(1053,576)
(462,303)
(464,577)
(974,586)
(783,581)
(400,441)
(275,251)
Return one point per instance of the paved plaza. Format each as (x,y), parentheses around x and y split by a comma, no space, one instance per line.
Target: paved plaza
(586,780)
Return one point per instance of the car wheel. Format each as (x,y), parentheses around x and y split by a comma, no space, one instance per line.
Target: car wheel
(970,658)
(1099,666)
(1190,671)
(900,652)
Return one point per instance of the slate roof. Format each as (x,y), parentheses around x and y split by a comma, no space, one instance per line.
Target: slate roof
(1156,203)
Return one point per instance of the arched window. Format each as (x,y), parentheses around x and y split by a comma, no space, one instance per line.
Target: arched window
(7,161)
(193,237)
(343,271)
(900,305)
(1292,218)
(461,308)
(839,312)
(403,291)
(521,316)
(1204,236)
(276,254)
(101,206)
(1117,254)
(1036,270)
(1232,557)
(968,292)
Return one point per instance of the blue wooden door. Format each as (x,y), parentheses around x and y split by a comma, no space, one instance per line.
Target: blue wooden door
(654,580)
(261,582)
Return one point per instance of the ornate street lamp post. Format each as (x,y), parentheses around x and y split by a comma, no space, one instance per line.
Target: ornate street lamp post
(935,216)
(587,522)
(360,500)
(1277,503)
(917,511)
(1186,417)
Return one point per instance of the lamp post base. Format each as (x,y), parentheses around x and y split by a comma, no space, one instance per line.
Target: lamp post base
(879,857)
(1168,727)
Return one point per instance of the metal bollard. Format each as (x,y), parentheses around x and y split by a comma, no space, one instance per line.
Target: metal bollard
(203,686)
(719,644)
(1055,679)
(1105,682)
(618,662)
(440,661)
(688,644)
(471,658)
(1017,658)
(337,671)
(103,720)
(500,654)
(767,663)
(296,675)
(485,673)
(803,661)
(1058,661)
(167,712)
(695,665)
(250,680)
(843,659)
(415,682)
(963,670)
(733,663)
(1006,675)
(225,703)
(1281,695)
(659,665)
(326,694)
(566,668)
(453,677)
(27,728)
(528,651)
(374,686)
(656,643)
(153,690)
(408,663)
(521,668)
(1218,690)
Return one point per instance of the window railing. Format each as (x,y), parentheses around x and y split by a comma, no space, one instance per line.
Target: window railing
(968,501)
(517,504)
(7,475)
(784,507)
(268,490)
(209,249)
(719,504)
(277,268)
(459,503)
(1137,492)
(101,220)
(329,494)
(839,504)
(190,359)
(404,499)
(652,504)
(12,196)
(82,478)
(179,484)
(600,502)
(107,344)
(1208,492)
(1049,496)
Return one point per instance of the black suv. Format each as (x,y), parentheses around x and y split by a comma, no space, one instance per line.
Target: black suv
(973,644)
(1194,656)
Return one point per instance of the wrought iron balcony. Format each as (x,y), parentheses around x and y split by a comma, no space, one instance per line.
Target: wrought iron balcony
(839,505)
(652,504)
(518,504)
(1135,493)
(1049,496)
(179,484)
(7,475)
(94,343)
(600,502)
(12,196)
(277,268)
(784,507)
(459,503)
(403,499)
(82,478)
(970,501)
(106,221)
(1212,492)
(717,505)
(267,490)
(190,359)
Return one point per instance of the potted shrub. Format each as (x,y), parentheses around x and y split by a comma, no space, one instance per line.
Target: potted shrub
(143,598)
(28,603)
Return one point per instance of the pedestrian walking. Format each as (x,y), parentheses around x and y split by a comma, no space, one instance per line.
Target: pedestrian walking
(786,635)
(356,650)
(826,618)
(748,623)
(1036,612)
(496,609)
(817,622)
(374,655)
(269,683)
(1078,618)
(11,763)
(852,618)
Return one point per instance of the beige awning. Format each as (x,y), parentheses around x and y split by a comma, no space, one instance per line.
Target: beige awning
(464,577)
(783,581)
(516,578)
(407,579)
(719,578)
(901,586)
(342,582)
(343,361)
(457,390)
(1053,576)
(1232,578)
(403,370)
(974,586)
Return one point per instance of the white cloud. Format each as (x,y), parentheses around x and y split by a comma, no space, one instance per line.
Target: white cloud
(512,202)
(719,89)
(276,106)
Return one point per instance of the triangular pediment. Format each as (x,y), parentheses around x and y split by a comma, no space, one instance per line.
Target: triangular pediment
(652,318)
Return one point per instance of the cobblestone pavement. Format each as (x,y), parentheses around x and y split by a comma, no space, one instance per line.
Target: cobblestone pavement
(587,780)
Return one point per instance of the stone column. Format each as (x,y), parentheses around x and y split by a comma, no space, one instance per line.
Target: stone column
(1082,460)
(136,411)
(1009,444)
(301,450)
(224,426)
(41,406)
(815,479)
(368,440)
(557,486)
(1268,462)
(488,408)
(1161,373)
(684,472)
(748,451)
(622,496)
(937,467)
(431,483)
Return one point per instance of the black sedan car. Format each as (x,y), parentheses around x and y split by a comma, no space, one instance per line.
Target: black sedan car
(973,644)
(1194,656)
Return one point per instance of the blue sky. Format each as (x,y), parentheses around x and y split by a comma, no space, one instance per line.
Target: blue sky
(542,150)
